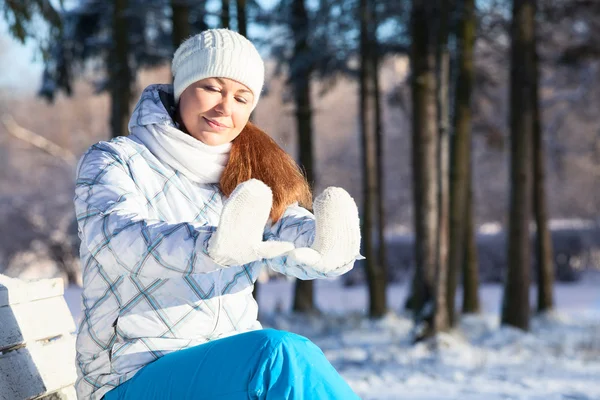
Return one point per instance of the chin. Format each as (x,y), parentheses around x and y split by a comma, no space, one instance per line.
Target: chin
(210,139)
(214,141)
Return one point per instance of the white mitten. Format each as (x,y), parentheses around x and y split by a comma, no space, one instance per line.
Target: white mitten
(238,239)
(337,233)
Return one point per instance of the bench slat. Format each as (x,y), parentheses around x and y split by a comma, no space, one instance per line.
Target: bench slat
(42,319)
(16,291)
(37,369)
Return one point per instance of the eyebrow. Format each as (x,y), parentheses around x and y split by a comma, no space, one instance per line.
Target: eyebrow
(222,82)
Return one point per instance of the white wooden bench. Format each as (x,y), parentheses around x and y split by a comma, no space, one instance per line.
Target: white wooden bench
(37,346)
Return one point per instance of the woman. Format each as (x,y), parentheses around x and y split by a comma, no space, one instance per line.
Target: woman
(177,220)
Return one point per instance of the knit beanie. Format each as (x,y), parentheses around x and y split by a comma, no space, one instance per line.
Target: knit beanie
(218,53)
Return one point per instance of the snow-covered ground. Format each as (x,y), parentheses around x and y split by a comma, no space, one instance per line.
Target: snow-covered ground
(558,359)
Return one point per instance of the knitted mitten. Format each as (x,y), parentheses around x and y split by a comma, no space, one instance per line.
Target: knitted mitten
(238,239)
(337,232)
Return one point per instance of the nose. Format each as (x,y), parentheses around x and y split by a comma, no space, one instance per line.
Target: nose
(225,106)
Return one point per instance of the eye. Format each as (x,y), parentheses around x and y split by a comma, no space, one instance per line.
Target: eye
(212,89)
(241,100)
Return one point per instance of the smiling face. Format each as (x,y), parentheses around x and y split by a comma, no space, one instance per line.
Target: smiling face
(215,110)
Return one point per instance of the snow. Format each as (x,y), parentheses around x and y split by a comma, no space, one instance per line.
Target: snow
(558,359)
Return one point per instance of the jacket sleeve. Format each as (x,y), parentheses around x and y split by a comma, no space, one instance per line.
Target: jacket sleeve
(297,225)
(112,218)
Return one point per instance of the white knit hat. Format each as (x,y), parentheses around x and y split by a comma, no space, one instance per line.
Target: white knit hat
(218,53)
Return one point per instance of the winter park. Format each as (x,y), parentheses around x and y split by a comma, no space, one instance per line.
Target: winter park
(331,199)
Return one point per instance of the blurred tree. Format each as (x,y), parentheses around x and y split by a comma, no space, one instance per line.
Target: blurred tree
(460,214)
(225,14)
(242,17)
(583,16)
(180,20)
(20,17)
(515,306)
(120,74)
(333,28)
(117,41)
(306,29)
(543,243)
(424,159)
(111,39)
(376,55)
(441,321)
(299,76)
(470,266)
(369,126)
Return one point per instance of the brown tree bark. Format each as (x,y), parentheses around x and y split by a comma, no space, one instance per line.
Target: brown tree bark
(304,290)
(225,14)
(441,320)
(242,18)
(120,74)
(180,20)
(380,158)
(424,159)
(461,150)
(515,307)
(470,264)
(368,126)
(543,243)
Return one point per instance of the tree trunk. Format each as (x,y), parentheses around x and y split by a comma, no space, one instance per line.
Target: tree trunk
(119,71)
(515,307)
(470,265)
(545,261)
(181,22)
(242,19)
(424,159)
(461,150)
(301,72)
(368,126)
(379,157)
(225,14)
(440,319)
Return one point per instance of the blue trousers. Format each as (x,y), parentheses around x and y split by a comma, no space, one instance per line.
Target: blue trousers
(265,364)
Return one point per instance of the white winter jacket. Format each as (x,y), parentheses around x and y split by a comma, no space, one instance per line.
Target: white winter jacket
(149,287)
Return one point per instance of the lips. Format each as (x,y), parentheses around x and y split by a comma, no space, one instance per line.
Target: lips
(214,124)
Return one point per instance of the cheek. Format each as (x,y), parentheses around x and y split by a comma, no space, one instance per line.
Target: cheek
(241,118)
(189,112)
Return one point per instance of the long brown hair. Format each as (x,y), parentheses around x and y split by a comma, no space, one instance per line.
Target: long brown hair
(254,154)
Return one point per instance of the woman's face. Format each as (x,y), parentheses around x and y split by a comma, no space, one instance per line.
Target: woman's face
(215,110)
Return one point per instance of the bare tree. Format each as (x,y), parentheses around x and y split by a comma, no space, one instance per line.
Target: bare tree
(424,159)
(301,70)
(515,306)
(120,74)
(242,17)
(225,17)
(380,160)
(543,244)
(368,127)
(181,21)
(440,318)
(461,150)
(470,269)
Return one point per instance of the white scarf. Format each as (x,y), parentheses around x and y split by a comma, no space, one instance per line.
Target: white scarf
(200,162)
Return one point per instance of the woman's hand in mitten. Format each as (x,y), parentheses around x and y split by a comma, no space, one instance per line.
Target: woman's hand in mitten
(238,239)
(337,233)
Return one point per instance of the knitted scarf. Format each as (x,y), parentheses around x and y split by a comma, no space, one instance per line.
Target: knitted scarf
(153,127)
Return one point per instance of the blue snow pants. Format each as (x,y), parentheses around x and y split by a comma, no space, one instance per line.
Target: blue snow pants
(265,364)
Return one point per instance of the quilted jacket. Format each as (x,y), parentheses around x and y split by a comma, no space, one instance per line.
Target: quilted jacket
(149,286)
